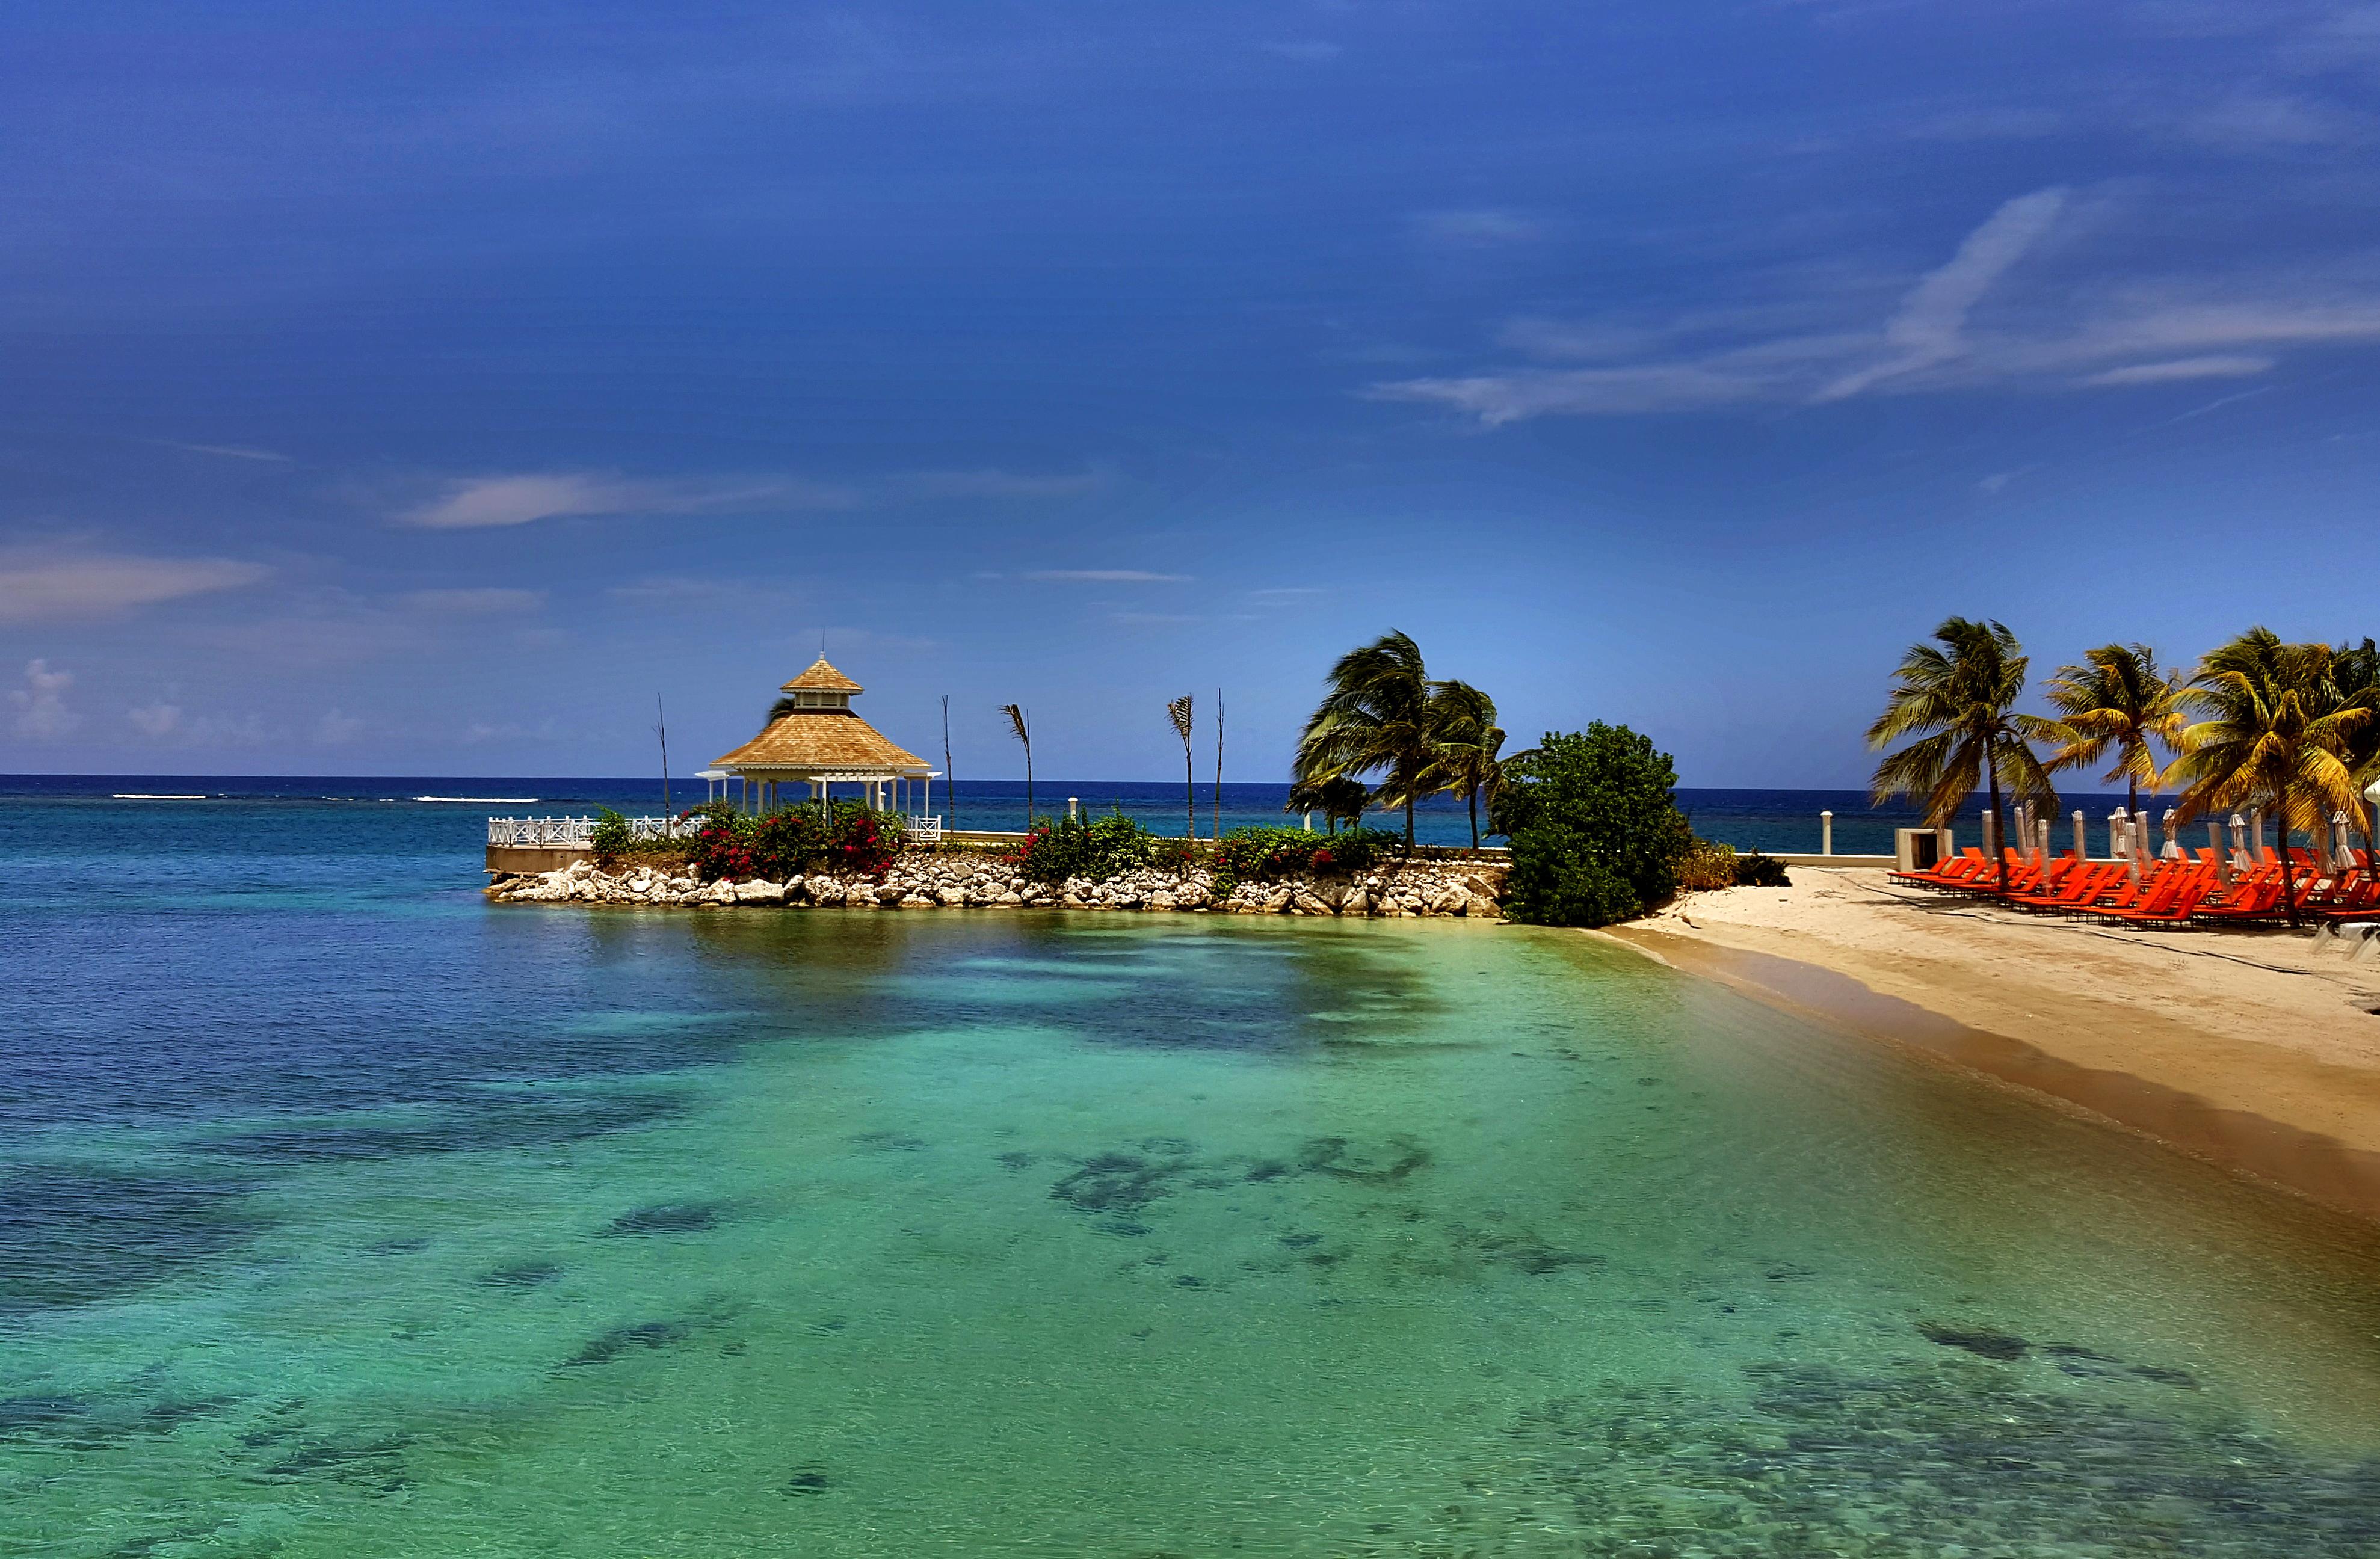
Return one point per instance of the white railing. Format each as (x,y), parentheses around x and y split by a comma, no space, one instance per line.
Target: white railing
(924,829)
(575,831)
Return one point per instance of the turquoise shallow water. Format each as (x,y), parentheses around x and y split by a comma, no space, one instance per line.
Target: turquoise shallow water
(389,1223)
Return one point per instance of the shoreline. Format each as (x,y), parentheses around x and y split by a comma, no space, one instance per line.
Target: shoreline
(2245,1051)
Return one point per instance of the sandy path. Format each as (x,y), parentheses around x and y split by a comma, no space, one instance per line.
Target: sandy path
(2245,1046)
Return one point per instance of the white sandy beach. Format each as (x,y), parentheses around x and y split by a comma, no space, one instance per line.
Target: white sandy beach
(2245,1047)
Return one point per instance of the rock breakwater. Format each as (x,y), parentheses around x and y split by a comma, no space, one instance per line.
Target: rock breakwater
(922,881)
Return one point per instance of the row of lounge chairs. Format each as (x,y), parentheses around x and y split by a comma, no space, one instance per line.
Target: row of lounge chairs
(2169,893)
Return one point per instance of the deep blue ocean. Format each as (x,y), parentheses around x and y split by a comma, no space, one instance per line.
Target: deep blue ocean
(429,815)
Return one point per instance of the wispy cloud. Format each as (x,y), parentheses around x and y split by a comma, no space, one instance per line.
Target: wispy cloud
(228,451)
(336,728)
(485,503)
(482,601)
(2059,337)
(1106,576)
(2215,367)
(1930,328)
(40,704)
(38,585)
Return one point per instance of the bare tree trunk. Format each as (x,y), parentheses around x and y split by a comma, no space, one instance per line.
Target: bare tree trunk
(1218,764)
(950,783)
(1189,792)
(661,729)
(1409,820)
(1474,793)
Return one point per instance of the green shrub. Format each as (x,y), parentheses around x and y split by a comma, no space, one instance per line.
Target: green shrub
(795,839)
(1558,880)
(1596,833)
(610,838)
(1757,870)
(1056,849)
(1705,864)
(1255,854)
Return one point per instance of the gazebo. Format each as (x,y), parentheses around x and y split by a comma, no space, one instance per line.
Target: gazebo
(820,744)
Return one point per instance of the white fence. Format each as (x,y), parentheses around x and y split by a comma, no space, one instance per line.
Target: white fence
(575,831)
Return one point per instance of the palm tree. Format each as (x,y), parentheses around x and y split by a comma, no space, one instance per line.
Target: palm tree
(1374,718)
(2117,701)
(1960,702)
(1179,712)
(1024,732)
(1340,801)
(2276,732)
(2355,670)
(1463,729)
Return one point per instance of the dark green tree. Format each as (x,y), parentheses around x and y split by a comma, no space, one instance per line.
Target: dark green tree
(1374,718)
(1595,831)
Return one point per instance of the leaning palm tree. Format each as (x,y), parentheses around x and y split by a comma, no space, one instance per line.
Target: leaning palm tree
(2275,734)
(1960,702)
(1468,740)
(1178,711)
(1375,719)
(1023,731)
(2116,704)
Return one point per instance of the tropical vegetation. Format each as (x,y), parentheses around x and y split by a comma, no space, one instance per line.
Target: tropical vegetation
(2119,703)
(1954,702)
(2275,733)
(1383,715)
(794,839)
(1596,836)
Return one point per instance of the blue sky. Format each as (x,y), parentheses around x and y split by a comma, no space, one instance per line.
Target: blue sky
(419,388)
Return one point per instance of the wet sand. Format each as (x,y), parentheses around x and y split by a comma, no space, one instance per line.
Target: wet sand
(2245,1048)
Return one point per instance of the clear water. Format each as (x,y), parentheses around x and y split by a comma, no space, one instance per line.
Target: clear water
(343,1215)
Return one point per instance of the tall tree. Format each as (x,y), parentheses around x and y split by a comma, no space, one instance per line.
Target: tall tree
(949,778)
(1467,743)
(1218,815)
(1959,702)
(1179,712)
(2355,668)
(2276,734)
(1022,732)
(2116,704)
(1374,718)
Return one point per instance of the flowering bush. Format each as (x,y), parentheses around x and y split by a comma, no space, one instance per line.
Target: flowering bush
(1056,849)
(794,840)
(1258,854)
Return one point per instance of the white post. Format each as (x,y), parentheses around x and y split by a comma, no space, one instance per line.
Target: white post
(1309,822)
(1991,836)
(1941,845)
(2116,834)
(2081,837)
(1826,833)
(1074,806)
(2256,836)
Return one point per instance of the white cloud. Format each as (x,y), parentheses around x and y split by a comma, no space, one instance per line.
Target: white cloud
(2253,121)
(480,601)
(487,502)
(2182,367)
(42,712)
(1930,328)
(156,721)
(1106,576)
(335,729)
(37,586)
(2051,337)
(229,451)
